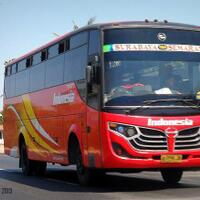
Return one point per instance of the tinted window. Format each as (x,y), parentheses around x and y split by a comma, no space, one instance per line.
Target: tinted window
(36,58)
(94,42)
(6,87)
(22,82)
(14,69)
(21,65)
(44,55)
(67,45)
(61,47)
(149,35)
(53,51)
(29,61)
(78,40)
(54,71)
(75,64)
(37,77)
(8,69)
(10,86)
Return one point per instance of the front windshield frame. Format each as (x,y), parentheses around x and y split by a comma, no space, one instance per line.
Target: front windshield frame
(136,105)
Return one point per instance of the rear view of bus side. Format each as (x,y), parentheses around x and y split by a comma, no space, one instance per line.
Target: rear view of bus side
(107,97)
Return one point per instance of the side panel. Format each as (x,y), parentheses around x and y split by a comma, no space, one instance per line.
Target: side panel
(45,118)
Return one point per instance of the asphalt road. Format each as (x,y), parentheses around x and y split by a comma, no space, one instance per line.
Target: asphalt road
(61,183)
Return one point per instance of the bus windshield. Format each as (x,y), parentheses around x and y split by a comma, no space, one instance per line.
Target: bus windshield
(136,70)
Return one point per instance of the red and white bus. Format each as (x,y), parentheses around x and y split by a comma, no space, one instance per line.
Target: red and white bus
(107,97)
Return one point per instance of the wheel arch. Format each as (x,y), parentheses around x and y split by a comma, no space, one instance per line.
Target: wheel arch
(73,144)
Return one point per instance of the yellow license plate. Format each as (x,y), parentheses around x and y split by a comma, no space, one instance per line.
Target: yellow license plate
(175,158)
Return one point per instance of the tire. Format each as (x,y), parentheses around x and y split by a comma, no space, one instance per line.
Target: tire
(26,164)
(39,168)
(85,175)
(171,176)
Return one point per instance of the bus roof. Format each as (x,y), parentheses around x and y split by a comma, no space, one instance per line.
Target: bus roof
(110,25)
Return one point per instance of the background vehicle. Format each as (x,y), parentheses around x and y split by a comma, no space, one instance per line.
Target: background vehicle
(111,97)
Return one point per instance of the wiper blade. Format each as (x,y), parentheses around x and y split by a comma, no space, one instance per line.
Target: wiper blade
(169,100)
(150,102)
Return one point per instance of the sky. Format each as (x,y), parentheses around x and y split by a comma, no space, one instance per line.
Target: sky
(28,24)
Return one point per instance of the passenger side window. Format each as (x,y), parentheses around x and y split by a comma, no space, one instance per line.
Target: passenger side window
(78,39)
(36,58)
(37,77)
(75,64)
(94,42)
(44,55)
(7,71)
(54,71)
(22,82)
(21,65)
(53,51)
(63,46)
(10,86)
(14,69)
(29,61)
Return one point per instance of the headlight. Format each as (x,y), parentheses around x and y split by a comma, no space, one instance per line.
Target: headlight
(125,130)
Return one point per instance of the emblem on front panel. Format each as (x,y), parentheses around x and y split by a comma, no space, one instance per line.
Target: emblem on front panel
(171,132)
(162,36)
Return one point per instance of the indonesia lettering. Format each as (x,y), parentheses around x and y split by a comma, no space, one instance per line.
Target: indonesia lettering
(63,98)
(163,122)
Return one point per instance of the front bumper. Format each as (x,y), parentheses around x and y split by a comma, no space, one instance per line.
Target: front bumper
(139,159)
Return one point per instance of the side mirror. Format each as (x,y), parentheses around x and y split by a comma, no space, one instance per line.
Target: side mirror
(89,74)
(93,70)
(93,74)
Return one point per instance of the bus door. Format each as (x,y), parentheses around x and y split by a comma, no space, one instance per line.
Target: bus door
(93,101)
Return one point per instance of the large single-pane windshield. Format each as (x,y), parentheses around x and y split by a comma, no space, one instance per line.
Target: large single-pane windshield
(139,66)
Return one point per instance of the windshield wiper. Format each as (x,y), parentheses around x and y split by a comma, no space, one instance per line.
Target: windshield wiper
(150,102)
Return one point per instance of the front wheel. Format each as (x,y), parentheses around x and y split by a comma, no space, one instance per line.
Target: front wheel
(171,176)
(84,174)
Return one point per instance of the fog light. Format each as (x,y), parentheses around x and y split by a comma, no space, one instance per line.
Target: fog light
(120,151)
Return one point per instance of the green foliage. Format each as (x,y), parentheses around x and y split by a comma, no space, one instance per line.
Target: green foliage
(1,117)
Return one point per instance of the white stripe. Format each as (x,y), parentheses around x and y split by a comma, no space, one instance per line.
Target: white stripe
(14,110)
(36,125)
(39,128)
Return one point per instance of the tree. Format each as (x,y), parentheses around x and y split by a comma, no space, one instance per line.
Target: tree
(1,117)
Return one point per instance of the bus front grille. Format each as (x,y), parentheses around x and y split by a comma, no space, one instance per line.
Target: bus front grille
(155,140)
(188,139)
(149,139)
